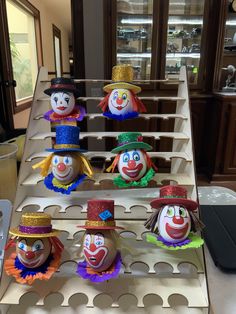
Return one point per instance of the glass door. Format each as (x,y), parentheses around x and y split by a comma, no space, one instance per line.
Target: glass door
(134,36)
(185,27)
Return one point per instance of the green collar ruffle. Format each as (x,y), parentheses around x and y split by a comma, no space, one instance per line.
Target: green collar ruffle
(121,183)
(196,242)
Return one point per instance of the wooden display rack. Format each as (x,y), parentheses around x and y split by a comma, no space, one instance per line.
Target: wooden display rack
(159,281)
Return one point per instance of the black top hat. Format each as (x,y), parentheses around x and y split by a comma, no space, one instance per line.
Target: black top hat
(62,84)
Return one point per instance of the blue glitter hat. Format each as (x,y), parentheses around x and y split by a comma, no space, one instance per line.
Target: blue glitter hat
(67,139)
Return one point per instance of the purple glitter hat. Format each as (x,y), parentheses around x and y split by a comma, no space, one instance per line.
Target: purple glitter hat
(35,225)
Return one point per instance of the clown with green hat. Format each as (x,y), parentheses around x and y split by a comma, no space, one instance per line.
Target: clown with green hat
(134,165)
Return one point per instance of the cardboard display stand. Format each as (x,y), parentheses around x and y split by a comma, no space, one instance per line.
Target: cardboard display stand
(152,280)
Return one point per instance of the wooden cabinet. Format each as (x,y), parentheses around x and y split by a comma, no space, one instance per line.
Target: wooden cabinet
(221,150)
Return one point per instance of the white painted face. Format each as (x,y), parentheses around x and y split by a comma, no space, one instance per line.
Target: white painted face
(174,223)
(62,103)
(120,101)
(65,167)
(132,165)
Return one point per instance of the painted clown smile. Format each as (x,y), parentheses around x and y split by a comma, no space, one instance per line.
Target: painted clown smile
(133,172)
(64,175)
(96,258)
(28,264)
(176,233)
(120,107)
(62,108)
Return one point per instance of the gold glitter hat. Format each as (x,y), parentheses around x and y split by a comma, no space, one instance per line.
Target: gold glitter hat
(35,225)
(122,76)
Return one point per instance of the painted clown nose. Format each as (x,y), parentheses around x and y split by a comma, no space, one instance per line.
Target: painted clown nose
(174,223)
(120,102)
(132,165)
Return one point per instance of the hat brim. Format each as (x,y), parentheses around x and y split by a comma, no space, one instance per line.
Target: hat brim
(49,91)
(16,232)
(101,228)
(132,145)
(136,89)
(61,150)
(189,204)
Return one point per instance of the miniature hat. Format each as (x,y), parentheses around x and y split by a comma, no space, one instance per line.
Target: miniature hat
(122,75)
(35,225)
(174,194)
(62,84)
(100,215)
(67,139)
(131,140)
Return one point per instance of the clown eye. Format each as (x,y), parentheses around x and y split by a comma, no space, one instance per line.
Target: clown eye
(126,157)
(55,160)
(22,245)
(99,240)
(170,211)
(124,96)
(115,95)
(67,161)
(55,99)
(182,212)
(67,99)
(38,245)
(87,240)
(136,156)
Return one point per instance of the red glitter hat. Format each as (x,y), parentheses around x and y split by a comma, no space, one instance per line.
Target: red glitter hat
(174,194)
(100,215)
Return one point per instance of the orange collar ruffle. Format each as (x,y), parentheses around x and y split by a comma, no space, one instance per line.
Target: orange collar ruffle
(11,270)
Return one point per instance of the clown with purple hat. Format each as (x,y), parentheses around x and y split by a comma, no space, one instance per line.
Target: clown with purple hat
(69,167)
(63,94)
(100,243)
(174,220)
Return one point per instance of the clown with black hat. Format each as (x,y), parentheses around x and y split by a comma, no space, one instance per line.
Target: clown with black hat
(68,165)
(63,94)
(134,164)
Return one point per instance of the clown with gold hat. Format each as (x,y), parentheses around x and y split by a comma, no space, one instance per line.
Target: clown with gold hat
(69,166)
(121,102)
(38,250)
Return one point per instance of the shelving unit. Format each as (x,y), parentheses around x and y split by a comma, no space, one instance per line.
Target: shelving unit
(159,281)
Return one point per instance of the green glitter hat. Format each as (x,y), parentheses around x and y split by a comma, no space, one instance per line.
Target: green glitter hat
(131,140)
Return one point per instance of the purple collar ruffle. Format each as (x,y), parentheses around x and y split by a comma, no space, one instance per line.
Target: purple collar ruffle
(184,242)
(121,117)
(99,277)
(71,117)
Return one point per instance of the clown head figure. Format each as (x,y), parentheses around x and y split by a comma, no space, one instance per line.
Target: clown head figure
(174,223)
(68,165)
(99,249)
(62,103)
(134,164)
(38,250)
(173,219)
(100,244)
(121,101)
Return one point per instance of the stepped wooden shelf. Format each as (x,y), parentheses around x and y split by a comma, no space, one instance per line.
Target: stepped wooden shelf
(152,280)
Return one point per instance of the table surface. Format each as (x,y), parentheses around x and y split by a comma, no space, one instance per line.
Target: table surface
(222,286)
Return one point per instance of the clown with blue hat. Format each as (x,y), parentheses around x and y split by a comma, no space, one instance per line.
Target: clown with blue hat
(69,167)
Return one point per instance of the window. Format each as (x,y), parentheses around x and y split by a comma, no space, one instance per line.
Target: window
(57,50)
(23,45)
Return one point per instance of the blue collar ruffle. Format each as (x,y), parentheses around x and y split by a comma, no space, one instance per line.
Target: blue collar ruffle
(66,189)
(121,117)
(33,271)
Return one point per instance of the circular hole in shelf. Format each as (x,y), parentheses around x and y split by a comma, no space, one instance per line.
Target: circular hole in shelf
(127,302)
(163,269)
(150,300)
(53,300)
(102,301)
(77,299)
(177,300)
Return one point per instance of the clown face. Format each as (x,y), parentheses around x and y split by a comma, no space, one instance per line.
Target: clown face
(120,102)
(33,252)
(174,223)
(62,103)
(99,249)
(65,167)
(132,165)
